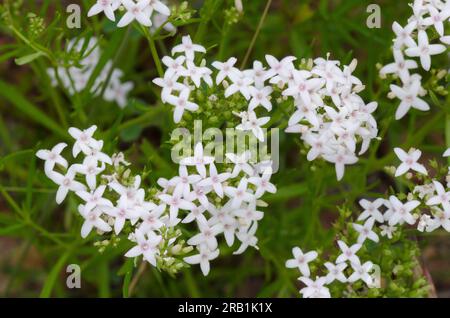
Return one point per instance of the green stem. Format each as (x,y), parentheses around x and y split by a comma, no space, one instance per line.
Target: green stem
(154,52)
(255,36)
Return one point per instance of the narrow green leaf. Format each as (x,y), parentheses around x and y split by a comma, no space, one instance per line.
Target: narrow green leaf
(11,94)
(127,271)
(12,229)
(28,58)
(53,275)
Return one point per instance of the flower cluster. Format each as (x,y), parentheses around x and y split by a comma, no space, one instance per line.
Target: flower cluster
(113,200)
(182,68)
(76,78)
(329,114)
(427,207)
(416,40)
(347,268)
(217,200)
(142,11)
(427,204)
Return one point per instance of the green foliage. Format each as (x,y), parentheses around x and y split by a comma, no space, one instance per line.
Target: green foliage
(35,115)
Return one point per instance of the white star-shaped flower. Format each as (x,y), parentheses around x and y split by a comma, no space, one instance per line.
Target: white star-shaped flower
(199,160)
(146,246)
(181,103)
(409,161)
(203,258)
(348,253)
(399,212)
(301,260)
(409,96)
(52,157)
(424,50)
(188,48)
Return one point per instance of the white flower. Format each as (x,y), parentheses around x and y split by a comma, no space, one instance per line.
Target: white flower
(252,123)
(160,7)
(205,255)
(240,83)
(424,222)
(302,85)
(175,203)
(282,68)
(188,48)
(365,231)
(371,210)
(249,212)
(225,69)
(94,198)
(304,111)
(442,197)
(258,73)
(314,288)
(199,193)
(183,182)
(90,169)
(409,161)
(52,157)
(195,214)
(330,71)
(403,35)
(260,96)
(151,221)
(121,213)
(247,238)
(446,153)
(160,20)
(66,183)
(387,230)
(445,39)
(424,50)
(399,213)
(75,78)
(196,73)
(199,160)
(96,154)
(207,235)
(361,272)
(348,253)
(147,247)
(130,192)
(92,218)
(441,219)
(215,180)
(181,103)
(400,66)
(239,194)
(340,159)
(318,144)
(174,66)
(168,85)
(262,183)
(335,272)
(106,6)
(135,11)
(240,163)
(409,98)
(301,260)
(437,18)
(118,92)
(83,140)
